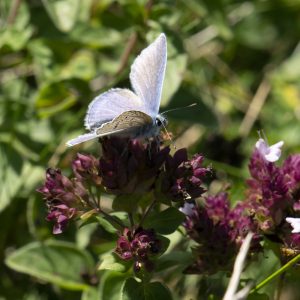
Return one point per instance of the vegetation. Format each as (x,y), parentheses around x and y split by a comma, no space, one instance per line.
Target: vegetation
(238,60)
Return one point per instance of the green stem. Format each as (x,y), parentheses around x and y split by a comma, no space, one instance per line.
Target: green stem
(111,219)
(147,213)
(97,206)
(277,273)
(130,217)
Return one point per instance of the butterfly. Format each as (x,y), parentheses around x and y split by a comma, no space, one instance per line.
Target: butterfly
(126,113)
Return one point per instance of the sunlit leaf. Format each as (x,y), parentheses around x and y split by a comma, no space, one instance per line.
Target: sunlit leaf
(110,261)
(150,291)
(64,13)
(111,284)
(166,221)
(57,262)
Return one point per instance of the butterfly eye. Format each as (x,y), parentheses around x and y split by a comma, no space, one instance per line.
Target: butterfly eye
(158,122)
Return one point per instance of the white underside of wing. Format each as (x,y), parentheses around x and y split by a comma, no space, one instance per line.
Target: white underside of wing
(148,72)
(81,138)
(110,105)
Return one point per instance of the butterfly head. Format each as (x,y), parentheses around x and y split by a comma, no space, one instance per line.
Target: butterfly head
(161,121)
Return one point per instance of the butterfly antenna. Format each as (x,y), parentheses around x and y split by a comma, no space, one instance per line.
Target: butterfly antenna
(169,136)
(177,108)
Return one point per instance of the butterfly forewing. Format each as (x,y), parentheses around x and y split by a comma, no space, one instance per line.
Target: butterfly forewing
(148,72)
(128,123)
(109,105)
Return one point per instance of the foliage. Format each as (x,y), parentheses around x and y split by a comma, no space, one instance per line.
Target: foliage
(239,60)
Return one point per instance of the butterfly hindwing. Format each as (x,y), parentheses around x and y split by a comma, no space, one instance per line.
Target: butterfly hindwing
(126,123)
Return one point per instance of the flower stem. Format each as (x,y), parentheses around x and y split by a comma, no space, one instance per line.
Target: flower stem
(277,273)
(130,217)
(110,218)
(147,212)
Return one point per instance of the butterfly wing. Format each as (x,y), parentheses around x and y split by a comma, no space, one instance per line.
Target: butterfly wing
(120,111)
(129,123)
(147,74)
(81,138)
(107,106)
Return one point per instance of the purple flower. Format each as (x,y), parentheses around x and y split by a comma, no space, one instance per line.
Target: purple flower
(86,167)
(139,245)
(60,214)
(268,194)
(272,196)
(64,198)
(217,207)
(183,178)
(219,232)
(291,170)
(127,166)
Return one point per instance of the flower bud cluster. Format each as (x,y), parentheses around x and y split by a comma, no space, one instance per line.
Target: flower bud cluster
(138,245)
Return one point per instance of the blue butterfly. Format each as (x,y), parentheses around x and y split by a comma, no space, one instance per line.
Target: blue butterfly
(126,113)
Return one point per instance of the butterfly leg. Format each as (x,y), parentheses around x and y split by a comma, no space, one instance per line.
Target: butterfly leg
(126,148)
(148,142)
(158,142)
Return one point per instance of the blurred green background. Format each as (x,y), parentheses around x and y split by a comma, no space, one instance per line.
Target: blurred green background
(239,60)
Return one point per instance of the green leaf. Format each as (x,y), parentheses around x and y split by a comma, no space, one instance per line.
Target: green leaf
(90,294)
(108,224)
(103,222)
(56,262)
(133,290)
(246,32)
(15,38)
(83,235)
(104,247)
(111,284)
(81,65)
(165,222)
(165,242)
(110,261)
(97,37)
(169,260)
(288,70)
(63,13)
(57,96)
(126,203)
(11,166)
